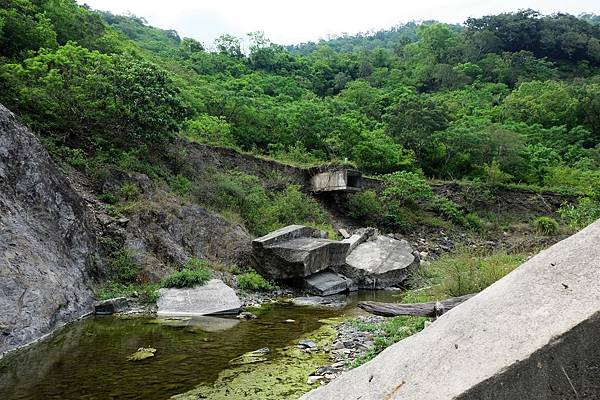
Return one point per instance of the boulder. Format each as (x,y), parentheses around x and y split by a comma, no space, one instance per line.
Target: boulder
(296,251)
(379,262)
(48,248)
(326,283)
(215,297)
(531,335)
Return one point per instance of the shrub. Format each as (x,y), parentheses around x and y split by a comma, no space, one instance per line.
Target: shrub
(194,272)
(122,268)
(181,185)
(255,282)
(129,191)
(465,272)
(448,209)
(475,222)
(406,188)
(391,331)
(365,206)
(146,293)
(546,225)
(580,215)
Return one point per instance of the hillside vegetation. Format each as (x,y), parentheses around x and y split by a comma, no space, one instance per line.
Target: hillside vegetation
(501,100)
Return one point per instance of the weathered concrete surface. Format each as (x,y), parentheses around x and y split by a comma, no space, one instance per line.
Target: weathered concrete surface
(336,180)
(296,251)
(531,335)
(326,283)
(47,245)
(214,297)
(378,261)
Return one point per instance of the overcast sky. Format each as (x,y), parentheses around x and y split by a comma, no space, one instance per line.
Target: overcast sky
(288,22)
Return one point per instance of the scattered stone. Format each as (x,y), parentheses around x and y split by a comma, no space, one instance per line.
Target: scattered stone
(111,306)
(215,297)
(307,344)
(329,301)
(296,251)
(142,353)
(290,320)
(314,379)
(246,315)
(326,283)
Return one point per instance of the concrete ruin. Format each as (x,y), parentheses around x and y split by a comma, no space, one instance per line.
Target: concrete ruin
(379,261)
(532,335)
(365,260)
(326,283)
(296,251)
(342,179)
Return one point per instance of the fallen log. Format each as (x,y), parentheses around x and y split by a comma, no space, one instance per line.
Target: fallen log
(433,309)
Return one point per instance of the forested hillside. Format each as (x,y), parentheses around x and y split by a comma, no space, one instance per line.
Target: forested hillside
(506,99)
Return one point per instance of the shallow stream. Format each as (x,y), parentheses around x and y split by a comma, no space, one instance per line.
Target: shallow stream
(88,359)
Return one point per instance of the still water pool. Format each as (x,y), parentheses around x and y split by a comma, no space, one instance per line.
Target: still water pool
(88,359)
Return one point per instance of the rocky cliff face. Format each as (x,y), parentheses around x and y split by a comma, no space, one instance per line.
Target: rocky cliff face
(47,246)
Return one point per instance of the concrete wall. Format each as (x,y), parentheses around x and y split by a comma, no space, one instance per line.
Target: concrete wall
(329,181)
(531,335)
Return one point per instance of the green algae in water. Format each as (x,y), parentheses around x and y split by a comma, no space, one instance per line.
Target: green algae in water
(285,377)
(88,359)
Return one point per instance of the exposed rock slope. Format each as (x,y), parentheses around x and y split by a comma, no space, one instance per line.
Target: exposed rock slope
(47,247)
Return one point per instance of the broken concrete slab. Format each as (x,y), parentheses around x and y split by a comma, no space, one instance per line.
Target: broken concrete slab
(532,335)
(359,236)
(379,262)
(326,283)
(296,251)
(215,297)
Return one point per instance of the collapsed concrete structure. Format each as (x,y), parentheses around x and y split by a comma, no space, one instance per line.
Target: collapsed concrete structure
(365,260)
(532,335)
(338,179)
(296,251)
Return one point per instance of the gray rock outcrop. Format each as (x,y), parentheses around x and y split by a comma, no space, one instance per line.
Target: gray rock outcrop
(215,297)
(378,261)
(532,335)
(296,251)
(166,233)
(47,246)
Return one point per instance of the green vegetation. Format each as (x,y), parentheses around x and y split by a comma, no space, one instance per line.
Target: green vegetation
(389,332)
(546,225)
(244,198)
(254,282)
(504,99)
(146,293)
(194,272)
